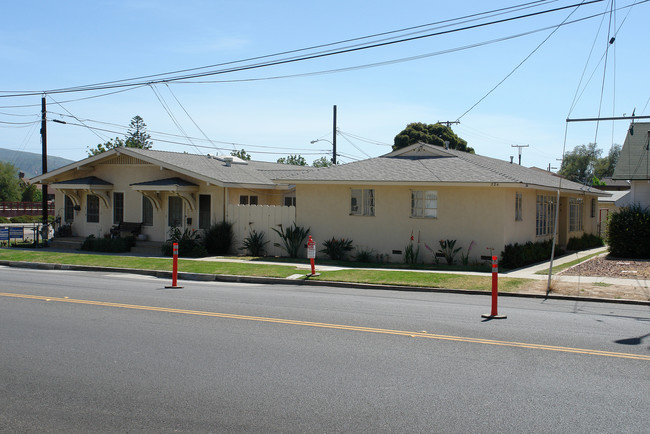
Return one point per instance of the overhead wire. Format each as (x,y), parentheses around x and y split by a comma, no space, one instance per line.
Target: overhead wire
(501,10)
(555,29)
(171,115)
(296,59)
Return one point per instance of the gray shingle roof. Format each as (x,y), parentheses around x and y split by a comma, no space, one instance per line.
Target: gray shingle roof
(634,160)
(432,165)
(208,167)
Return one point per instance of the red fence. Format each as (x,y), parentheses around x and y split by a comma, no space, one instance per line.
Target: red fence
(14,209)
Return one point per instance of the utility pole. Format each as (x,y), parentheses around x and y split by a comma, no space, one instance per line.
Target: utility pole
(519,146)
(44,163)
(448,123)
(334,139)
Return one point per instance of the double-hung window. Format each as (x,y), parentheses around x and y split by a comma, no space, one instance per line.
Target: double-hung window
(118,208)
(92,209)
(518,209)
(424,204)
(575,214)
(147,211)
(545,215)
(362,202)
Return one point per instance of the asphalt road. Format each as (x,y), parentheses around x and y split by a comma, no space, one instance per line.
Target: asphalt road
(84,352)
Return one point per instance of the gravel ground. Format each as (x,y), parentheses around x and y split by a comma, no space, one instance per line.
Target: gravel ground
(611,267)
(601,266)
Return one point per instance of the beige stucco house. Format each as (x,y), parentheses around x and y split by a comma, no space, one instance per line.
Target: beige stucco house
(634,163)
(431,194)
(162,190)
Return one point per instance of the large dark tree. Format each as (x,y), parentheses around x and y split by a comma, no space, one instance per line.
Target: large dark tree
(433,134)
(136,137)
(9,183)
(584,164)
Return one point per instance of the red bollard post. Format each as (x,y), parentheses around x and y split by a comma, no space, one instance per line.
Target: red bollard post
(175,269)
(495,291)
(311,254)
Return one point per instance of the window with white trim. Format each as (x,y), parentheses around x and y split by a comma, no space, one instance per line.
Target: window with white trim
(248,200)
(424,204)
(92,209)
(68,210)
(575,214)
(593,207)
(518,210)
(147,211)
(362,202)
(544,215)
(118,207)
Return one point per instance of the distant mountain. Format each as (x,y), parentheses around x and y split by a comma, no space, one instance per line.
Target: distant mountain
(31,164)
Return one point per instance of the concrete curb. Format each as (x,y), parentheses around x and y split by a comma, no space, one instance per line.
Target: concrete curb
(276,281)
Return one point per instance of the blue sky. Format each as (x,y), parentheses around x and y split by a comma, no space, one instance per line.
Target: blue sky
(53,45)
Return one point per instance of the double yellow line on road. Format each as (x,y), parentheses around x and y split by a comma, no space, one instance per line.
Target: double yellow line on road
(335,326)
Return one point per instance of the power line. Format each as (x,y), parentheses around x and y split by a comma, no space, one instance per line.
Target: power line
(125,83)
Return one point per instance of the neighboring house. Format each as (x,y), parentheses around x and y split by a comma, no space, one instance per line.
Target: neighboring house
(162,190)
(620,197)
(634,163)
(430,193)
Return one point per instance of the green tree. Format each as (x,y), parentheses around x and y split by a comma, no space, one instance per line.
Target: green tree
(31,193)
(433,134)
(296,160)
(322,162)
(605,166)
(578,165)
(136,137)
(10,190)
(241,154)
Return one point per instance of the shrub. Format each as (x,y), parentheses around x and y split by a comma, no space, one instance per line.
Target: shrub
(586,241)
(518,255)
(336,249)
(218,238)
(30,219)
(111,245)
(254,243)
(629,232)
(4,219)
(364,255)
(411,254)
(448,251)
(292,238)
(189,244)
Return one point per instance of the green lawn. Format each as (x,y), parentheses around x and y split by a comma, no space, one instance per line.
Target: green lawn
(384,277)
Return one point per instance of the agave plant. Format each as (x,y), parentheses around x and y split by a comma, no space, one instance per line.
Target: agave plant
(292,238)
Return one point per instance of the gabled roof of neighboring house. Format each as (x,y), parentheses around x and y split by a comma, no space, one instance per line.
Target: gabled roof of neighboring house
(429,164)
(618,198)
(218,170)
(634,161)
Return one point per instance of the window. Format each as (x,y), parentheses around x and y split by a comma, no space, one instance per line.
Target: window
(575,214)
(204,211)
(518,214)
(248,200)
(147,211)
(545,215)
(290,201)
(92,209)
(68,210)
(593,207)
(175,216)
(362,202)
(118,208)
(424,204)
